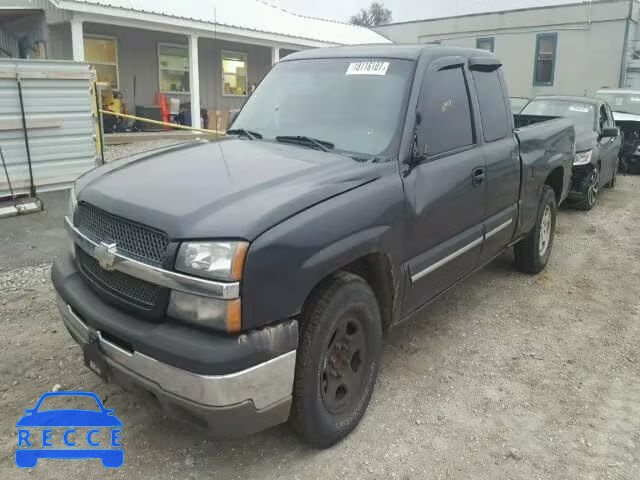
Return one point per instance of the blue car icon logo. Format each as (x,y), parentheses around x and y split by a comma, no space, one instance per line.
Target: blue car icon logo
(100,421)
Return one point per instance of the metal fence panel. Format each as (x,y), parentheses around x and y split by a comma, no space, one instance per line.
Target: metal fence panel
(60,122)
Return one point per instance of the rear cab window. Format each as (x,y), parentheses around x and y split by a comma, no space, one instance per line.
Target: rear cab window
(493,109)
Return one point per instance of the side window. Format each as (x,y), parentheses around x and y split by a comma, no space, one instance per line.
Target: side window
(493,110)
(445,112)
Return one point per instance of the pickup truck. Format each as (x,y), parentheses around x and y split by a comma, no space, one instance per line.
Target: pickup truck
(248,281)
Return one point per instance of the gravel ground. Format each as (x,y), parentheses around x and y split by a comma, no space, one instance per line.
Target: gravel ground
(507,376)
(114,152)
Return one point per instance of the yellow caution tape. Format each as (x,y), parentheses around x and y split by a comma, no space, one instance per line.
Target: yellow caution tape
(164,124)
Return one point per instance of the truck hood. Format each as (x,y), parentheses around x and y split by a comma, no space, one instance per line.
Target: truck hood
(625,117)
(232,189)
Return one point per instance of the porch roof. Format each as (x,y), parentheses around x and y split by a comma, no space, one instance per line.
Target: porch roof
(241,17)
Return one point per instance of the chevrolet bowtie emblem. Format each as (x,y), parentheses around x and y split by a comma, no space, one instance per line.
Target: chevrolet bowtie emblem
(105,253)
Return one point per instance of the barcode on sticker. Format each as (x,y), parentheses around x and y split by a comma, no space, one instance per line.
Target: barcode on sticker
(368,68)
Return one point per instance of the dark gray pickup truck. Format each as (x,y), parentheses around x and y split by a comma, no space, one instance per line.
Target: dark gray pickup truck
(248,281)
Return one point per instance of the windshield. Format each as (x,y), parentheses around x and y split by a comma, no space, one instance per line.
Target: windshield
(354,105)
(626,102)
(582,114)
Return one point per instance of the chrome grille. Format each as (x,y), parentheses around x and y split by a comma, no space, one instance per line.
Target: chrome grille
(137,292)
(133,240)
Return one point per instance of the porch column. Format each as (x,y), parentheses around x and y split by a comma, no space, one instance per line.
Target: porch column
(194,81)
(77,40)
(275,55)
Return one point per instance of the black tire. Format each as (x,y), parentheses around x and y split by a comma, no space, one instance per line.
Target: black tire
(342,315)
(528,254)
(591,194)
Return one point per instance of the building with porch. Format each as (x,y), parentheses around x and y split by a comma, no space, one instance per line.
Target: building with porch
(207,52)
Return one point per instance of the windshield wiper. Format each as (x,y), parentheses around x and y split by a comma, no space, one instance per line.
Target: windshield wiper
(247,133)
(303,140)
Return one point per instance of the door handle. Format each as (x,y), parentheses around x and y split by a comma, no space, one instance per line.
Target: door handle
(477,176)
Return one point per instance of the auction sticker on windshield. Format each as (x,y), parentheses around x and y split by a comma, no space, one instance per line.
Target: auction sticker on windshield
(367,68)
(88,431)
(580,108)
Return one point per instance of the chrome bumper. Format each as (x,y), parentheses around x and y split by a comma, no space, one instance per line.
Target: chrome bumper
(264,385)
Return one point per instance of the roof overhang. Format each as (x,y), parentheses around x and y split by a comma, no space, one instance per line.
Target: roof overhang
(183,26)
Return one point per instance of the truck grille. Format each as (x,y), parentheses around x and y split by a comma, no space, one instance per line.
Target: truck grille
(137,292)
(134,240)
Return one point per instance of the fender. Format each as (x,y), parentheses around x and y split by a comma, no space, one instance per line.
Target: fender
(285,263)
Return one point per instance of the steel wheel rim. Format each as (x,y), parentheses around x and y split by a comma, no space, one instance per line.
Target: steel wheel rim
(594,186)
(343,365)
(545,231)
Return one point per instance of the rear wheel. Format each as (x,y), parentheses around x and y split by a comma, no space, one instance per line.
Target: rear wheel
(338,360)
(533,252)
(612,183)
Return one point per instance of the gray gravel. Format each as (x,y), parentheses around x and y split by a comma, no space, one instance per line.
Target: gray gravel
(115,152)
(507,376)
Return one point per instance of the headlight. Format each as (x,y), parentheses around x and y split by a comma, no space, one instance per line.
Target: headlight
(215,260)
(205,311)
(582,158)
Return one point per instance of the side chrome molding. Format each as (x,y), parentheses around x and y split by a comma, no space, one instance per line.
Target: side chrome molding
(462,251)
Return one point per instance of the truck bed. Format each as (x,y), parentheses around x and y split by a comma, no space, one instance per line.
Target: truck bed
(545,145)
(521,120)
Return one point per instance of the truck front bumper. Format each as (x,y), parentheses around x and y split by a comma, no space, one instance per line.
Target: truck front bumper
(232,403)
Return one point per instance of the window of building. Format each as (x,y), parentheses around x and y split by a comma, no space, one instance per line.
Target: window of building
(485,43)
(173,63)
(545,59)
(234,74)
(102,54)
(446,113)
(493,109)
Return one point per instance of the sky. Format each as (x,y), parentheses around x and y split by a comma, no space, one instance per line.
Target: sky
(404,10)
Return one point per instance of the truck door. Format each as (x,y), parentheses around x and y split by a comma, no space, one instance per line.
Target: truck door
(445,188)
(502,157)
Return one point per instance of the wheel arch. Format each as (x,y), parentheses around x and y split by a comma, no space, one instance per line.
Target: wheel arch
(555,180)
(377,270)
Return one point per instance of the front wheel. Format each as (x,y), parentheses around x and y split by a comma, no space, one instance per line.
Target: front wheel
(591,193)
(532,253)
(337,361)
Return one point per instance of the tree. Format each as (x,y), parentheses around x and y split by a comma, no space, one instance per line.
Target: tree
(376,14)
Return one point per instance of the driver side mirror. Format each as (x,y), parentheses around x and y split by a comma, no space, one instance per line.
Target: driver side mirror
(610,132)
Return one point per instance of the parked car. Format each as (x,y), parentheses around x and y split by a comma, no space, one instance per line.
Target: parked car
(597,144)
(626,113)
(248,281)
(518,103)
